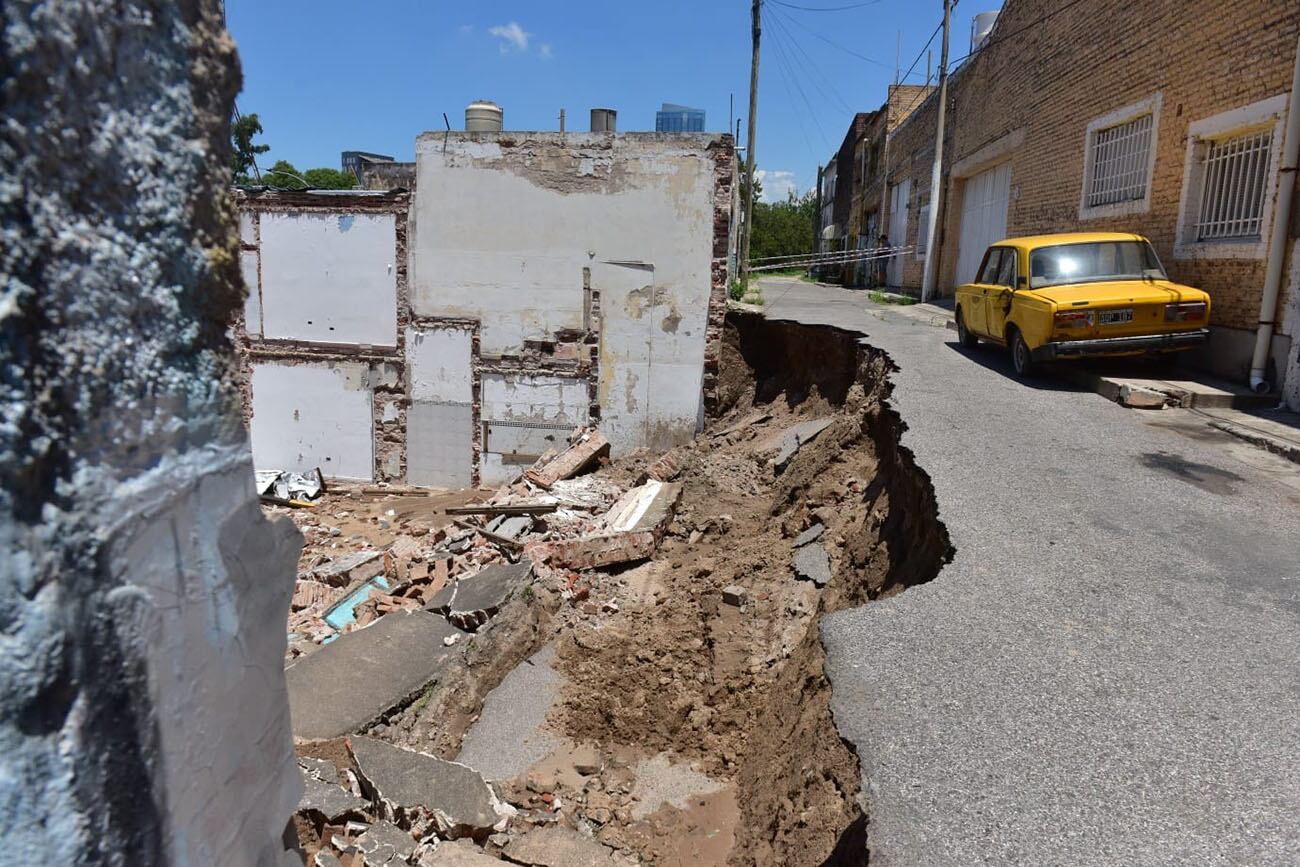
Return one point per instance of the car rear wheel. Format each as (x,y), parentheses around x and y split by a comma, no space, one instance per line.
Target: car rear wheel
(964,336)
(1021,359)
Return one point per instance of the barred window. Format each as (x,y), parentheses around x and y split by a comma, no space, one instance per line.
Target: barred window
(1233,179)
(1119,161)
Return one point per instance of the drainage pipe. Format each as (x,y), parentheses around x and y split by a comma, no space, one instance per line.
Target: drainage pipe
(1281,229)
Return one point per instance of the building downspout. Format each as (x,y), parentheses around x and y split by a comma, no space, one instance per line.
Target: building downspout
(1277,244)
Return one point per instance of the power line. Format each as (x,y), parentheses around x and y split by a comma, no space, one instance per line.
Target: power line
(922,51)
(786,80)
(834,94)
(835,44)
(791,84)
(823,8)
(1003,37)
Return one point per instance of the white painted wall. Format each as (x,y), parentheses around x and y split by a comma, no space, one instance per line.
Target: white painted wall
(253,302)
(313,415)
(439,365)
(532,214)
(538,411)
(329,278)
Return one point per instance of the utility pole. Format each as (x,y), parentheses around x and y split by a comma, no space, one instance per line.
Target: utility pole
(936,179)
(757,28)
(817,216)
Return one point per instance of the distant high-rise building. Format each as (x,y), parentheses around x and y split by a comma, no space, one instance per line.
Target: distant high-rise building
(354,162)
(679,118)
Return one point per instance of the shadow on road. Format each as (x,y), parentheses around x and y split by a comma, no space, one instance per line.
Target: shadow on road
(998,360)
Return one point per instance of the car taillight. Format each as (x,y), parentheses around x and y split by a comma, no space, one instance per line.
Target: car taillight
(1190,311)
(1074,319)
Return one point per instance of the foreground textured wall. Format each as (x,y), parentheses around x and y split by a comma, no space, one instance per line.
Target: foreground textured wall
(143,717)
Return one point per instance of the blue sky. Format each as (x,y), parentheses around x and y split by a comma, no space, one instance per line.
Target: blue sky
(326,76)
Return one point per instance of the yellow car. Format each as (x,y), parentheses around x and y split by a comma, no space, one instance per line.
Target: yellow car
(1078,295)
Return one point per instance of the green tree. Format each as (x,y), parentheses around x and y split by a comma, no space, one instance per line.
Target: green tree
(329,179)
(243,153)
(283,176)
(784,228)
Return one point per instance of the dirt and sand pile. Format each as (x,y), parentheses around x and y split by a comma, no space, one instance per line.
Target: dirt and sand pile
(690,721)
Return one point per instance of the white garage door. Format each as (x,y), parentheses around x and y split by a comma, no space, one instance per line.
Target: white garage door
(899,196)
(983,218)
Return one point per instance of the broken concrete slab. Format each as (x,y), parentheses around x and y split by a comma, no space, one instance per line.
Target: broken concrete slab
(351,569)
(422,791)
(329,800)
(635,524)
(385,845)
(734,594)
(812,534)
(352,682)
(510,734)
(558,846)
(510,526)
(795,438)
(646,507)
(582,453)
(812,563)
(319,768)
(475,599)
(325,858)
(1138,397)
(659,781)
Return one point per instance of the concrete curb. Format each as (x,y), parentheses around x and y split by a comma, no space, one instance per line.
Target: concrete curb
(1272,444)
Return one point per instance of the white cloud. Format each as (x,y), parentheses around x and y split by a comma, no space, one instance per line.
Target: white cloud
(776,185)
(466,29)
(512,36)
(544,51)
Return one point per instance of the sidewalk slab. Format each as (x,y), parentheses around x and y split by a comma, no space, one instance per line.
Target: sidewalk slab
(352,682)
(1190,391)
(1277,431)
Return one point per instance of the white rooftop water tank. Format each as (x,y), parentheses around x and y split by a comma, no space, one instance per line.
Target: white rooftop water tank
(483,116)
(980,28)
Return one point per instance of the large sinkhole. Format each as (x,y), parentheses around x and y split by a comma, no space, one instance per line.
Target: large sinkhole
(696,677)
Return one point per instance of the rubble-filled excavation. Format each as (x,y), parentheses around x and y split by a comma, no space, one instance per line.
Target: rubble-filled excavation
(612,661)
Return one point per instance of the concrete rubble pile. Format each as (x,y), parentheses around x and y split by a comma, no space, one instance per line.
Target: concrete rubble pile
(544,523)
(385,806)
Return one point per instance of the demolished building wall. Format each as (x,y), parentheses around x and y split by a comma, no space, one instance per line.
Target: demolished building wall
(145,717)
(554,281)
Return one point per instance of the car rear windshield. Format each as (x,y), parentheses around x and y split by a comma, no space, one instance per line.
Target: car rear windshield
(1093,263)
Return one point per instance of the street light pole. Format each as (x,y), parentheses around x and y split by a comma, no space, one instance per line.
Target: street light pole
(936,178)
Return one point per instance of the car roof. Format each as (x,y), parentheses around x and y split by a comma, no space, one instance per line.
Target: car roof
(1029,242)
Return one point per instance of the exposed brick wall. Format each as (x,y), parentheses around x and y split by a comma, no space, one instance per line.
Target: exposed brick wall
(724,156)
(1049,81)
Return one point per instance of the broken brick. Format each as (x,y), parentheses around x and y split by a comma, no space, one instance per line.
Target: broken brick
(589,446)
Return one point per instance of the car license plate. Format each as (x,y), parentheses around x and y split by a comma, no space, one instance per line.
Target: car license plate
(1116,317)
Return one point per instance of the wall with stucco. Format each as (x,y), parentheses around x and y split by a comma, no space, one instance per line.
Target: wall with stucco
(578,279)
(596,234)
(143,714)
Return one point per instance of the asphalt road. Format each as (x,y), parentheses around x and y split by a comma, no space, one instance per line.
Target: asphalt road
(1109,670)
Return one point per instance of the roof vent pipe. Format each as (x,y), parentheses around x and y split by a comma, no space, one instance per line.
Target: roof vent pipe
(604,120)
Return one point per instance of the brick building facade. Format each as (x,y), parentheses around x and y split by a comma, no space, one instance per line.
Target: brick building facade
(1167,121)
